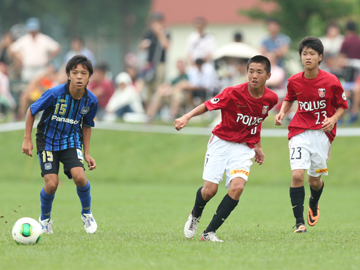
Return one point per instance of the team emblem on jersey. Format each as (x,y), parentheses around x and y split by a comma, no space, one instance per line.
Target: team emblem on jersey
(321,92)
(85,110)
(343,96)
(215,100)
(265,109)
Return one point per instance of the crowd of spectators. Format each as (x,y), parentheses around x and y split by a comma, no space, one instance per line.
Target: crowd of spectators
(141,91)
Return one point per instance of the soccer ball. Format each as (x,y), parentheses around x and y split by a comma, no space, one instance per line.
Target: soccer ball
(26,231)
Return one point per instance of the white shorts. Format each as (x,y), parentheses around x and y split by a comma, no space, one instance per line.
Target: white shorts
(310,150)
(223,156)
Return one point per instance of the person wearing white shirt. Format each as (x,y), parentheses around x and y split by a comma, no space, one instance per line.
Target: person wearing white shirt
(34,50)
(200,44)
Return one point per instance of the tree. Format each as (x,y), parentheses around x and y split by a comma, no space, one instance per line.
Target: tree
(305,17)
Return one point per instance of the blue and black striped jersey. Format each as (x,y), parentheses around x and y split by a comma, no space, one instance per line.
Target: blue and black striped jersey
(60,124)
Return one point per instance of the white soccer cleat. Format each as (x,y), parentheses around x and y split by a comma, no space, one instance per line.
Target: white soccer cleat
(210,236)
(90,224)
(191,226)
(46,226)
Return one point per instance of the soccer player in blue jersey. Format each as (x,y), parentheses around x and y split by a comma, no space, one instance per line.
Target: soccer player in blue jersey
(65,126)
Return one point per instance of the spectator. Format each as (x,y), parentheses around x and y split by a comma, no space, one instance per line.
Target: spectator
(278,75)
(333,39)
(36,87)
(78,47)
(13,67)
(170,93)
(156,41)
(7,102)
(200,44)
(276,42)
(126,98)
(238,37)
(102,87)
(34,50)
(351,44)
(354,113)
(203,81)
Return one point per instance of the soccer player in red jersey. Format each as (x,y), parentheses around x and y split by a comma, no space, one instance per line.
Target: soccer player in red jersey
(234,142)
(321,103)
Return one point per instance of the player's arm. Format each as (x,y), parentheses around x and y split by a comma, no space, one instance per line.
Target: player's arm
(182,121)
(285,107)
(27,146)
(329,123)
(86,132)
(259,153)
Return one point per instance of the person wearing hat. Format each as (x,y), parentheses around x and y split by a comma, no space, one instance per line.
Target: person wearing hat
(126,98)
(34,50)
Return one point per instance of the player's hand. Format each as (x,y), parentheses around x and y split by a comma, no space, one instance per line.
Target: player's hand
(278,118)
(91,162)
(181,122)
(27,147)
(328,124)
(259,156)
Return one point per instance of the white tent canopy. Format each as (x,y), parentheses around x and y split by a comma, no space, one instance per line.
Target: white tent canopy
(235,49)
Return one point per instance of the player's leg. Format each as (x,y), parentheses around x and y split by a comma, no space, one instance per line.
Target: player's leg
(49,164)
(320,155)
(299,161)
(316,188)
(297,197)
(74,168)
(214,167)
(226,206)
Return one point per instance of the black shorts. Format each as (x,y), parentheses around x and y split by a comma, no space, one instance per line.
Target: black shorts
(70,158)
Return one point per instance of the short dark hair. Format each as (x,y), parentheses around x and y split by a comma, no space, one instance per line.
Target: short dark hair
(312,43)
(272,20)
(238,36)
(260,59)
(103,67)
(79,59)
(199,61)
(351,26)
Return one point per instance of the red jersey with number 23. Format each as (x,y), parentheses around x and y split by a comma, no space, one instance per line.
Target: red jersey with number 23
(317,98)
(241,113)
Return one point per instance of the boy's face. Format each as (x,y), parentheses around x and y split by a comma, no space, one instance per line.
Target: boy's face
(310,58)
(257,75)
(79,77)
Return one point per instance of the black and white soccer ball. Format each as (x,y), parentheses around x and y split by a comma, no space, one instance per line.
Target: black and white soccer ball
(26,231)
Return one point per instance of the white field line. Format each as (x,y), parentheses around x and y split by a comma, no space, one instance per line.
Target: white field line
(341,132)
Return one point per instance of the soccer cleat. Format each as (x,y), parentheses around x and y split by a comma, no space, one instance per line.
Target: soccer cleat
(210,236)
(46,226)
(90,224)
(313,219)
(191,226)
(300,228)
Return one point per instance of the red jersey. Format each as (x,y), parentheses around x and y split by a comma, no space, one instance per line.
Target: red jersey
(241,114)
(317,99)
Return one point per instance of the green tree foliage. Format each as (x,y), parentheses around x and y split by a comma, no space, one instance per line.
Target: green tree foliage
(306,17)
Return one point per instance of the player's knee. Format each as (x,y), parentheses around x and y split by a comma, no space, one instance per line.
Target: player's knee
(51,186)
(298,177)
(208,193)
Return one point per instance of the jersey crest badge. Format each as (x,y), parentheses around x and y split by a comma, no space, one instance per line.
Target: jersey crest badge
(215,100)
(321,92)
(265,109)
(84,110)
(343,96)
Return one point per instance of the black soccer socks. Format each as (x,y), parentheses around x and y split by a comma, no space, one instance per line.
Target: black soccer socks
(224,209)
(297,196)
(314,198)
(199,204)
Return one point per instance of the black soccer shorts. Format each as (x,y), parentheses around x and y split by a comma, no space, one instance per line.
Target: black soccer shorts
(70,158)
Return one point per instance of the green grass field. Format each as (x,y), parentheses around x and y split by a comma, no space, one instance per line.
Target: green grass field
(143,190)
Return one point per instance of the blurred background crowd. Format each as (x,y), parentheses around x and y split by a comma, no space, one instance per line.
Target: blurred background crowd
(154,60)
